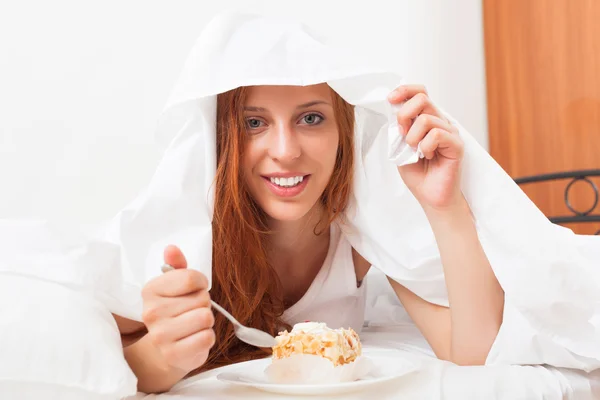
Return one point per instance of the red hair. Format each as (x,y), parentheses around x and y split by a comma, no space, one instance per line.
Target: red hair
(243,282)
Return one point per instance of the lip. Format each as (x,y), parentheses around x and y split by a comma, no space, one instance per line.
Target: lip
(286,192)
(284,175)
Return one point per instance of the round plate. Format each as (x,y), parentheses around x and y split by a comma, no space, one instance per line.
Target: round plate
(392,365)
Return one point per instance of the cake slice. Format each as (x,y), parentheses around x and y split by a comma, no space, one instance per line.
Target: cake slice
(340,346)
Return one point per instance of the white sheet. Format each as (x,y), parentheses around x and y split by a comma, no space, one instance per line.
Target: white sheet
(436,380)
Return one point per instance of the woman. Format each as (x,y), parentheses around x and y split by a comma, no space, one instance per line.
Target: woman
(283,182)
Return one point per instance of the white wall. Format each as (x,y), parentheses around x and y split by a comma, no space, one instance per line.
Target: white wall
(81,84)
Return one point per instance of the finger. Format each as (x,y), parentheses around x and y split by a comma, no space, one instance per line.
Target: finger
(442,142)
(405,92)
(193,349)
(422,125)
(175,283)
(173,329)
(415,106)
(169,307)
(174,257)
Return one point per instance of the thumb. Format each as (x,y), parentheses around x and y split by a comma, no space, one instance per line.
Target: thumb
(174,257)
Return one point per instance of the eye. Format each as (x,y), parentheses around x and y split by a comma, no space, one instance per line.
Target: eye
(254,123)
(312,119)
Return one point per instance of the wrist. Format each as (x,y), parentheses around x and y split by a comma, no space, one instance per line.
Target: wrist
(154,374)
(456,207)
(451,221)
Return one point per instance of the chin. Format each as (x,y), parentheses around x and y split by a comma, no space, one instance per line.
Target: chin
(287,211)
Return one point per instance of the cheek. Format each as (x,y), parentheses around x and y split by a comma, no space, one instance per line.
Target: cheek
(248,163)
(328,149)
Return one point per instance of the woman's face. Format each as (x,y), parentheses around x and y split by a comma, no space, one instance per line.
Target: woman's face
(291,149)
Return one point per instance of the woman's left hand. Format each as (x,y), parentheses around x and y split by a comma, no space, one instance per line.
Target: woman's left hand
(435,179)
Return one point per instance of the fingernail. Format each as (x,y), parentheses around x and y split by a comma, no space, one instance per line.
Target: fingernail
(392,96)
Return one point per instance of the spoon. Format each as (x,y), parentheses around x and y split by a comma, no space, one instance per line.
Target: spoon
(252,336)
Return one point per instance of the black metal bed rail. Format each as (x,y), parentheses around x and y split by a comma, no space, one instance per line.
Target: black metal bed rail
(575,176)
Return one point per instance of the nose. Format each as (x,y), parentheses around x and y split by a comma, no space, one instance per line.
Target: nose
(284,145)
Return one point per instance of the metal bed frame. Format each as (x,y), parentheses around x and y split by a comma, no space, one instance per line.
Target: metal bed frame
(589,215)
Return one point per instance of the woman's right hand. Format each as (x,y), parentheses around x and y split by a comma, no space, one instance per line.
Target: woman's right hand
(178,315)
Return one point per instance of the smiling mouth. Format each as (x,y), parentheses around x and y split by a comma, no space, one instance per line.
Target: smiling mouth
(287,182)
(288,186)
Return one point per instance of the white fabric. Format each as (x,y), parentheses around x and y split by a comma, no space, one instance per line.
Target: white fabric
(551,276)
(71,257)
(435,380)
(58,343)
(333,297)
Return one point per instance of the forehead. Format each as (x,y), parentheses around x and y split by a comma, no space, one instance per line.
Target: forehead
(293,95)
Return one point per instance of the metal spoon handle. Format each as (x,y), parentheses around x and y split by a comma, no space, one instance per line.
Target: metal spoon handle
(225,313)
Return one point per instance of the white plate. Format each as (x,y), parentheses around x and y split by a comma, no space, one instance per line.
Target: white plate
(392,364)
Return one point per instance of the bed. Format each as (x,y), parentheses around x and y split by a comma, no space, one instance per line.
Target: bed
(435,380)
(389,327)
(58,340)
(571,177)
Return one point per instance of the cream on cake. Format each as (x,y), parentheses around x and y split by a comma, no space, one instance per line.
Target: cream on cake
(340,346)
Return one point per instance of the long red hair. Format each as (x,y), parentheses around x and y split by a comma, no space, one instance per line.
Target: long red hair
(243,282)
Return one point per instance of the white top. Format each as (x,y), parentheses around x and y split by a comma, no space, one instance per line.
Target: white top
(333,297)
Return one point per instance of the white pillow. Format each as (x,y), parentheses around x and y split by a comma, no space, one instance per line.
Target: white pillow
(58,343)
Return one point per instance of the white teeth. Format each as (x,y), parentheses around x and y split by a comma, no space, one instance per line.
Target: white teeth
(287,182)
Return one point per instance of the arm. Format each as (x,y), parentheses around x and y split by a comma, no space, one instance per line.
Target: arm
(432,320)
(465,332)
(475,296)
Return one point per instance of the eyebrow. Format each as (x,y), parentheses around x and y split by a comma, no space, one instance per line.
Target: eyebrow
(301,106)
(312,103)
